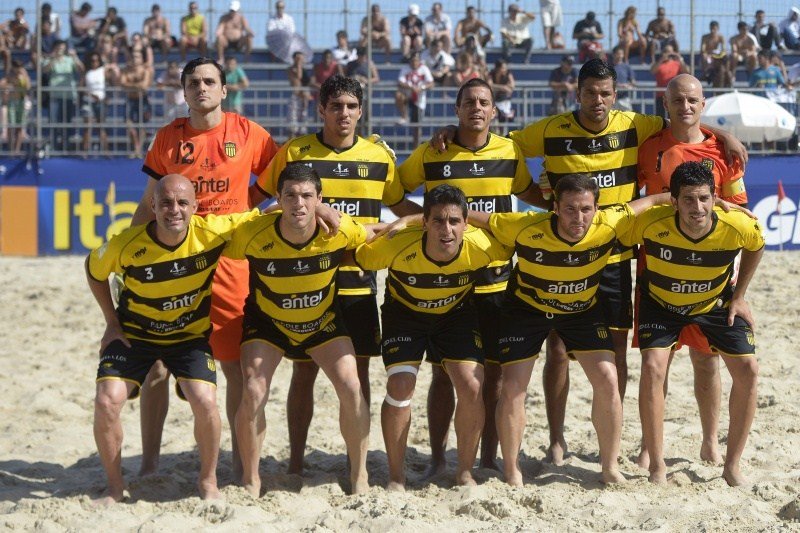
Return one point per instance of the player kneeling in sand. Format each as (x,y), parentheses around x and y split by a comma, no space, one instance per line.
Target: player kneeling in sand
(689,263)
(432,271)
(292,308)
(163,314)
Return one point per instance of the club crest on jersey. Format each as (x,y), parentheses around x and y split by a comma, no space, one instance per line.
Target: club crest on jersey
(463,279)
(362,170)
(230,149)
(707,163)
(324,262)
(594,255)
(613,141)
(341,171)
(200,262)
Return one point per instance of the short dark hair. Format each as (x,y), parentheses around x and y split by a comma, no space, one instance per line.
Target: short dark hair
(576,183)
(758,11)
(741,24)
(474,82)
(299,172)
(598,69)
(192,65)
(338,85)
(86,6)
(444,195)
(690,174)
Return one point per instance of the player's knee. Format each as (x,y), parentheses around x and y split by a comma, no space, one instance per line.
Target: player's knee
(254,390)
(746,373)
(654,368)
(513,385)
(109,402)
(401,383)
(471,389)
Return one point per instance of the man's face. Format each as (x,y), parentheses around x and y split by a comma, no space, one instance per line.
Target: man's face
(299,201)
(695,205)
(619,55)
(436,9)
(471,13)
(341,115)
(203,89)
(575,212)
(566,67)
(279,7)
(192,8)
(445,227)
(415,62)
(231,64)
(661,13)
(763,61)
(685,103)
(476,111)
(173,205)
(760,17)
(596,98)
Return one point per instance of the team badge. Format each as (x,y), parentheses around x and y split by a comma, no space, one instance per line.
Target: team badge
(602,333)
(210,363)
(230,149)
(594,255)
(363,171)
(324,262)
(200,263)
(330,328)
(463,279)
(613,141)
(708,163)
(478,341)
(751,338)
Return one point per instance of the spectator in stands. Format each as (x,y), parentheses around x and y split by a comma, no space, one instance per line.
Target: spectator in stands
(17,31)
(343,53)
(587,34)
(279,23)
(790,29)
(234,31)
(174,100)
(94,82)
(136,79)
(439,62)
(660,32)
(48,42)
(714,57)
(324,69)
(501,80)
(439,26)
(471,25)
(194,31)
(156,31)
(380,32)
(236,81)
(114,25)
(669,65)
(364,71)
(16,86)
(412,86)
(768,77)
(564,83)
(412,31)
(515,32)
(766,32)
(473,47)
(744,50)
(630,34)
(551,19)
(139,47)
(62,68)
(54,18)
(300,98)
(82,27)
(107,50)
(466,69)
(626,81)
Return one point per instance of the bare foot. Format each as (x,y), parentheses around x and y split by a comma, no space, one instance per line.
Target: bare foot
(209,491)
(253,489)
(359,485)
(110,498)
(395,486)
(611,476)
(436,468)
(148,468)
(514,478)
(733,476)
(643,461)
(556,452)
(490,463)
(658,473)
(465,479)
(709,452)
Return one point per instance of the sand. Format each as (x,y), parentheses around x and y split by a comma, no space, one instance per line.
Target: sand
(49,469)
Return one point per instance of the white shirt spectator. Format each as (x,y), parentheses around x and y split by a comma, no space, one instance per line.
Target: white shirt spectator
(438,61)
(283,23)
(442,24)
(418,77)
(344,55)
(517,30)
(793,26)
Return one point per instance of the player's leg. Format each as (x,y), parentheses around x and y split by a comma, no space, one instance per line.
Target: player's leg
(300,409)
(361,318)
(620,339)
(511,416)
(643,461)
(555,378)
(396,420)
(259,360)
(336,359)
(467,378)
(441,406)
(708,393)
(202,398)
(154,406)
(489,306)
(655,365)
(742,407)
(110,396)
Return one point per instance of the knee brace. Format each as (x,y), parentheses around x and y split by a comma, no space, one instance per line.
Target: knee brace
(399,369)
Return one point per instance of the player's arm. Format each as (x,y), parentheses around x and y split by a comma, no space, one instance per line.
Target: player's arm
(734,149)
(533,196)
(409,214)
(102,294)
(479,219)
(144,211)
(747,268)
(641,205)
(255,196)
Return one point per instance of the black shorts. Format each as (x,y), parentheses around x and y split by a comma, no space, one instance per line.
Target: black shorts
(138,109)
(257,329)
(189,360)
(659,328)
(488,306)
(452,337)
(523,330)
(614,295)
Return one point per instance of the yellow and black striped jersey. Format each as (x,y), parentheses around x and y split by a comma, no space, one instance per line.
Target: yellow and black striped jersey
(292,285)
(355,181)
(488,176)
(166,297)
(423,284)
(552,274)
(691,276)
(609,157)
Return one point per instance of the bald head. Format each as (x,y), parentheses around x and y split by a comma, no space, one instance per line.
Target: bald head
(685,103)
(173,204)
(174,182)
(685,82)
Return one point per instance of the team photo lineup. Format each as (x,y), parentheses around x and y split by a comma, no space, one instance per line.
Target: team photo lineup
(214,274)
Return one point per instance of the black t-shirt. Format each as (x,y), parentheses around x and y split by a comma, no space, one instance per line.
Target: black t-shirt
(584,25)
(412,30)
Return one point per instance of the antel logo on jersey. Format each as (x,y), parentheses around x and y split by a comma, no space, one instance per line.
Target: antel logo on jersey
(187,300)
(206,185)
(568,288)
(341,171)
(435,304)
(305,301)
(605,180)
(481,204)
(691,287)
(348,208)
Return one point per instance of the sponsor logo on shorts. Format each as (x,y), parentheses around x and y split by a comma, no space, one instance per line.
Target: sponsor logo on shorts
(107,358)
(751,338)
(395,340)
(140,252)
(645,335)
(160,326)
(303,327)
(652,326)
(507,340)
(394,349)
